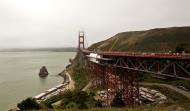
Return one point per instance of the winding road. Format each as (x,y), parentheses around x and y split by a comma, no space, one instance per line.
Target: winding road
(71,84)
(185,93)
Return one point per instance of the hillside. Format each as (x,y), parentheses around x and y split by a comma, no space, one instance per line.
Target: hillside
(154,40)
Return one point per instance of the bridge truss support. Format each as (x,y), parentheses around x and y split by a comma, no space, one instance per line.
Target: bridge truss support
(97,74)
(163,67)
(115,80)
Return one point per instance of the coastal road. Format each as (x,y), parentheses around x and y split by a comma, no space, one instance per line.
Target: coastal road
(71,84)
(185,93)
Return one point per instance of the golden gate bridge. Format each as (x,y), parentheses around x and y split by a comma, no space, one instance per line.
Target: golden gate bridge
(118,71)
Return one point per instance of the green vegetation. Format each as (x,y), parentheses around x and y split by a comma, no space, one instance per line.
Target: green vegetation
(71,99)
(117,101)
(80,77)
(98,104)
(155,40)
(28,104)
(78,99)
(48,102)
(139,108)
(180,48)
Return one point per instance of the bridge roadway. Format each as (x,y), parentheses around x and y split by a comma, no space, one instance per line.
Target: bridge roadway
(184,56)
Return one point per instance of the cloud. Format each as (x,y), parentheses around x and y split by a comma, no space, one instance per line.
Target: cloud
(55,23)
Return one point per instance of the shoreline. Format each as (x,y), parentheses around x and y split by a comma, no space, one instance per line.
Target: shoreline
(61,74)
(56,89)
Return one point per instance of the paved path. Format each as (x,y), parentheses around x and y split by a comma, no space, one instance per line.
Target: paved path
(71,84)
(185,93)
(87,86)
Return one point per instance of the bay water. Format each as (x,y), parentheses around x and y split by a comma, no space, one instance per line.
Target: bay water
(19,74)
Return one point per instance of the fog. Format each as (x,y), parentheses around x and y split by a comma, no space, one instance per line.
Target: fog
(55,23)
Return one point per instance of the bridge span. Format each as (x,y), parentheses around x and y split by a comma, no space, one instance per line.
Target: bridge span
(166,64)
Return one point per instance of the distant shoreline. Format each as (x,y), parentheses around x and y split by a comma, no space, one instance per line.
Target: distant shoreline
(64,49)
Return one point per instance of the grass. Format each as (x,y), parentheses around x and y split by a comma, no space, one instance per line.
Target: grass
(139,108)
(80,77)
(155,40)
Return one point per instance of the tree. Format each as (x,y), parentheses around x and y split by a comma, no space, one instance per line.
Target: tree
(98,104)
(82,106)
(79,96)
(117,101)
(180,48)
(75,98)
(28,104)
(48,102)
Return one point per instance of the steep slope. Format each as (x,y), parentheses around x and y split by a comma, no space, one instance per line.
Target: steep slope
(154,40)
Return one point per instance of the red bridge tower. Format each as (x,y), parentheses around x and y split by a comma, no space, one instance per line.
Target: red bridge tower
(81,40)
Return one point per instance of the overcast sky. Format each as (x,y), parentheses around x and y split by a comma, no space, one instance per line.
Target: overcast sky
(55,23)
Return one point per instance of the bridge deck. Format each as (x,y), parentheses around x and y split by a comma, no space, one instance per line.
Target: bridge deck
(184,56)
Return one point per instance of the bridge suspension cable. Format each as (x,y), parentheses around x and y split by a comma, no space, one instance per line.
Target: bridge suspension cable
(85,38)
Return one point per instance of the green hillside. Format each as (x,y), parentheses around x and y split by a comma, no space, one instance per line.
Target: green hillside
(154,40)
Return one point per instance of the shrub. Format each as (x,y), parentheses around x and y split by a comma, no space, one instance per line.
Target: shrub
(98,104)
(77,99)
(28,104)
(53,99)
(80,77)
(117,101)
(180,48)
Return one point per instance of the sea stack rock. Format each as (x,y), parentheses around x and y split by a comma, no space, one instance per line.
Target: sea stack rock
(43,72)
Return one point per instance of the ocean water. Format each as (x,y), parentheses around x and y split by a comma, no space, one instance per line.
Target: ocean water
(19,74)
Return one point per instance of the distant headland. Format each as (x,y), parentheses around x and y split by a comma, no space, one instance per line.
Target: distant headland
(61,49)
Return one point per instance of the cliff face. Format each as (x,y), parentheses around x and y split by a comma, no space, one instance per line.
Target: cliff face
(154,40)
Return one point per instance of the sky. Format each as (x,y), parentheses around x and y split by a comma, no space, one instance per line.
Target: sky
(56,23)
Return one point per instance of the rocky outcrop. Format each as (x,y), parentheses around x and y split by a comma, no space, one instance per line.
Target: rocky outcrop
(43,72)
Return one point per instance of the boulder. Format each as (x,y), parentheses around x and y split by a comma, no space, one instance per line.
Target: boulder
(43,72)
